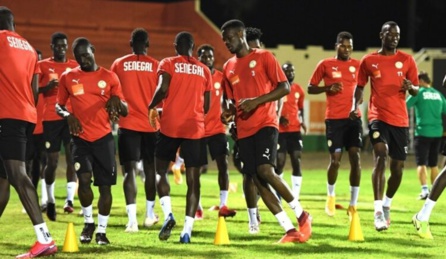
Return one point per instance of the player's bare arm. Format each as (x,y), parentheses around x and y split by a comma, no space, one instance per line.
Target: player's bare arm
(207,101)
(330,89)
(35,87)
(408,86)
(228,111)
(249,104)
(51,84)
(73,123)
(358,98)
(160,94)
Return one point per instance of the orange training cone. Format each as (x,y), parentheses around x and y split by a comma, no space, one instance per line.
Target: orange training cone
(221,236)
(355,229)
(70,244)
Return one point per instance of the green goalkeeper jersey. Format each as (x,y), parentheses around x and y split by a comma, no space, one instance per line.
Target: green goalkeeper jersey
(429,106)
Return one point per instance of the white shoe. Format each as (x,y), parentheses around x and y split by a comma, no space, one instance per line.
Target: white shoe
(132,227)
(380,222)
(254,229)
(148,222)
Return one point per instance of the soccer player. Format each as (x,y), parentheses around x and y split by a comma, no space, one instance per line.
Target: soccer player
(253,36)
(253,80)
(55,129)
(339,74)
(18,116)
(392,73)
(136,138)
(291,121)
(429,105)
(96,97)
(184,85)
(215,137)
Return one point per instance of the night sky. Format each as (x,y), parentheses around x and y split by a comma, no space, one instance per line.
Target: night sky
(317,22)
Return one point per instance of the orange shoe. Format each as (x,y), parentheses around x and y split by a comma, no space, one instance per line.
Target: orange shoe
(199,215)
(305,226)
(177,177)
(225,212)
(292,236)
(39,249)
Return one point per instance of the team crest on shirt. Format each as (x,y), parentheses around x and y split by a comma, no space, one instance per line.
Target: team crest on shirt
(102,84)
(399,64)
(252,64)
(329,143)
(217,85)
(352,69)
(77,166)
(47,144)
(376,134)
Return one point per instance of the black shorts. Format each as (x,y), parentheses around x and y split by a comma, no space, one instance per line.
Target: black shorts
(396,138)
(218,145)
(426,150)
(2,170)
(343,133)
(193,151)
(290,142)
(136,145)
(35,146)
(56,132)
(97,157)
(443,146)
(14,136)
(259,149)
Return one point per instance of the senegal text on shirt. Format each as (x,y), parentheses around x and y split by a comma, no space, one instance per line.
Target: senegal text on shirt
(138,66)
(19,43)
(186,68)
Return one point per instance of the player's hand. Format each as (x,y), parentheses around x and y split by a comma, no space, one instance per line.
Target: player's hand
(74,125)
(113,107)
(335,88)
(53,83)
(228,115)
(354,115)
(247,105)
(407,85)
(233,132)
(304,128)
(284,121)
(153,118)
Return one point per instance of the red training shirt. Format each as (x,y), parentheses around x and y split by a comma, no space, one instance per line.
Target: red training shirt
(292,103)
(386,75)
(212,121)
(253,75)
(333,70)
(183,107)
(138,76)
(51,69)
(18,64)
(88,93)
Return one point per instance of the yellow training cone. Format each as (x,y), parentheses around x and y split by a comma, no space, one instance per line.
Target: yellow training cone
(221,236)
(70,244)
(355,228)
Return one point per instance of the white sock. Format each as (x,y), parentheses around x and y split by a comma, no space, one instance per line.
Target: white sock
(50,193)
(102,223)
(296,207)
(88,214)
(252,216)
(223,197)
(425,212)
(131,213)
(139,165)
(166,206)
(71,190)
(42,233)
(378,204)
(188,225)
(387,202)
(330,189)
(43,192)
(149,209)
(284,221)
(296,182)
(354,193)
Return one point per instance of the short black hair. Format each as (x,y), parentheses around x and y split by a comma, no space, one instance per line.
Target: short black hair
(424,76)
(388,23)
(344,35)
(287,64)
(233,24)
(6,14)
(204,47)
(184,38)
(38,52)
(253,33)
(140,35)
(58,36)
(80,42)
